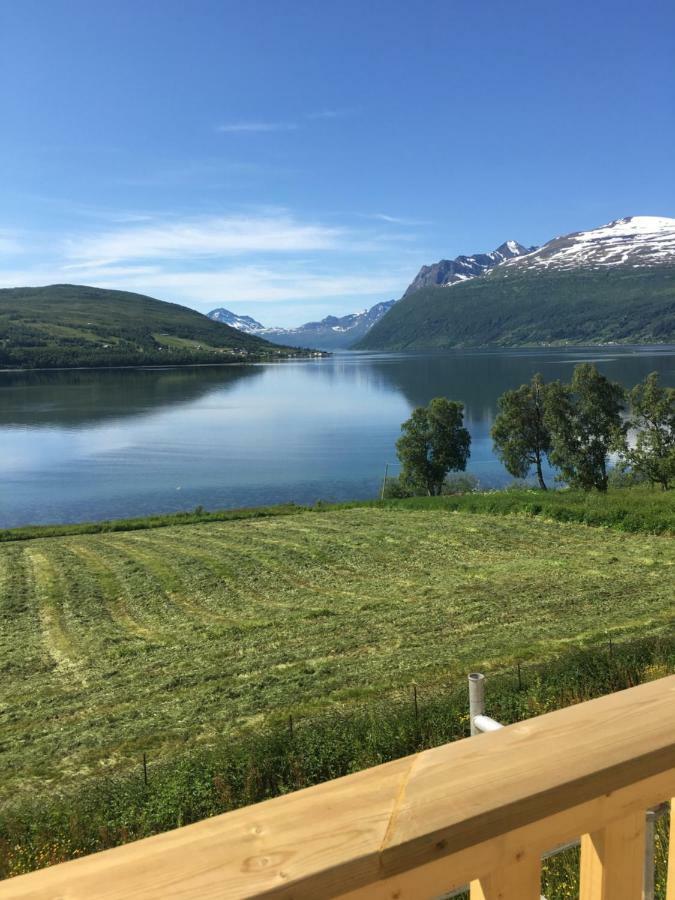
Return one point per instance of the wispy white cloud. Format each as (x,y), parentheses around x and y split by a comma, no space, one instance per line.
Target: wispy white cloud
(269,285)
(206,236)
(332,113)
(396,220)
(253,127)
(261,256)
(240,284)
(263,125)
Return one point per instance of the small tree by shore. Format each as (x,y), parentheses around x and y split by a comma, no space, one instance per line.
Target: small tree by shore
(520,435)
(584,419)
(652,456)
(433,443)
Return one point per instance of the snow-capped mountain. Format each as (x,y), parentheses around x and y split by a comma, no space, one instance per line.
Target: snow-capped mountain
(635,242)
(331,333)
(612,284)
(452,271)
(241,323)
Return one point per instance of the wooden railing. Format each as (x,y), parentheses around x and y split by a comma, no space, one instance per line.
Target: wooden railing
(479,811)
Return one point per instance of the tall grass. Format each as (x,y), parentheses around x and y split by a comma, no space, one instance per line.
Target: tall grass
(287,756)
(638,509)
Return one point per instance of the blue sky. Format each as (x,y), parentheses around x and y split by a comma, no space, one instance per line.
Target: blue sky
(290,159)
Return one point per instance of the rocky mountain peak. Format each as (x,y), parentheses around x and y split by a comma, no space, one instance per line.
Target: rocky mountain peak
(451,271)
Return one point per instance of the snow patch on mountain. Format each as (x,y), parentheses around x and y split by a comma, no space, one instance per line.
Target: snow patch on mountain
(636,241)
(241,323)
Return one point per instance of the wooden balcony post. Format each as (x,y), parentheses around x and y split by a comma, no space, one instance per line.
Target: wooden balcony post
(649,880)
(670,895)
(612,860)
(519,881)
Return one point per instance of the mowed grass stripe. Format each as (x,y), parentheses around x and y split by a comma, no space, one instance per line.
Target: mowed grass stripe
(56,614)
(181,578)
(21,651)
(110,587)
(182,635)
(144,593)
(209,590)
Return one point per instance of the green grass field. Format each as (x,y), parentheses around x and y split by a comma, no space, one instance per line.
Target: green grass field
(166,639)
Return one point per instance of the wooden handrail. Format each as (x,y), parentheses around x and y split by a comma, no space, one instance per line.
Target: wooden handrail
(481,810)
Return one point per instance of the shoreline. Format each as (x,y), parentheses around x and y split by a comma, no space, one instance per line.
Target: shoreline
(327,354)
(312,354)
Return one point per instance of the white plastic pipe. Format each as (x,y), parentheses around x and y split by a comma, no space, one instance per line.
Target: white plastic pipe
(484,724)
(476,698)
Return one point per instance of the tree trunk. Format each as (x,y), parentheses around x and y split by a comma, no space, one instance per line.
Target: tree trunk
(540,477)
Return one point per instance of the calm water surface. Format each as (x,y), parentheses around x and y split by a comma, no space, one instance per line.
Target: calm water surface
(88,445)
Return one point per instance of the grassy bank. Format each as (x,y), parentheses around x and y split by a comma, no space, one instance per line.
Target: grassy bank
(143,523)
(642,509)
(284,756)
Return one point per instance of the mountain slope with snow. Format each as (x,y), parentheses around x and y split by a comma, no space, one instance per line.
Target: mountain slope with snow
(612,284)
(636,241)
(241,323)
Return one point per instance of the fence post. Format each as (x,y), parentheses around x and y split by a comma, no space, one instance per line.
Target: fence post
(648,887)
(384,481)
(476,698)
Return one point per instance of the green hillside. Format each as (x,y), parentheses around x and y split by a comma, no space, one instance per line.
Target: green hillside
(67,325)
(534,308)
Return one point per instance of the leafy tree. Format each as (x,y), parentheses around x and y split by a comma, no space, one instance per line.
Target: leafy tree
(520,435)
(653,418)
(584,420)
(433,443)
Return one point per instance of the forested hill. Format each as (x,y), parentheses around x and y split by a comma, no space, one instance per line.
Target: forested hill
(67,325)
(622,304)
(612,283)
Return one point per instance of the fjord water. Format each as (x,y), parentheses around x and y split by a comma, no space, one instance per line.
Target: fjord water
(82,445)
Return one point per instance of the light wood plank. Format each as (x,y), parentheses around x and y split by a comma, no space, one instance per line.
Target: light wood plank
(450,872)
(265,849)
(521,880)
(464,793)
(612,860)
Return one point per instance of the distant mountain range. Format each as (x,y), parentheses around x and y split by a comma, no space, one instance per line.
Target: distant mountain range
(331,333)
(615,283)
